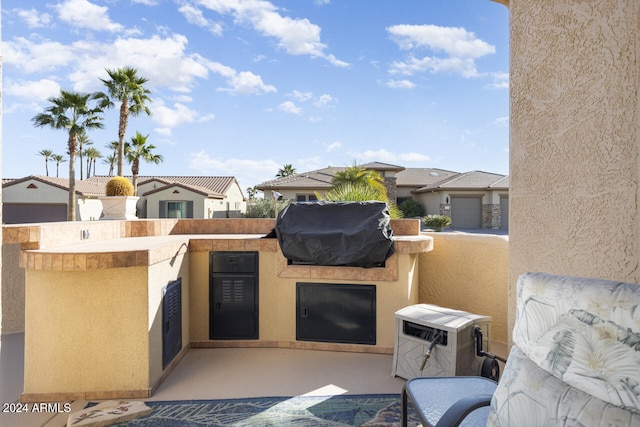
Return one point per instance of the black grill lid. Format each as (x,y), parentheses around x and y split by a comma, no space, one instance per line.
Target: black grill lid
(335,233)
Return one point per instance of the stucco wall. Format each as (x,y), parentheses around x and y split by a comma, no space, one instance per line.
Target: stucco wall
(183,195)
(277,294)
(468,272)
(574,139)
(122,352)
(12,298)
(42,193)
(114,357)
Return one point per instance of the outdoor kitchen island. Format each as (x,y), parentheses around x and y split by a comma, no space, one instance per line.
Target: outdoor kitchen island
(94,326)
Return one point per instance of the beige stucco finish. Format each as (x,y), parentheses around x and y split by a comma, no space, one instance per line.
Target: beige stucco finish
(575,132)
(277,298)
(468,272)
(97,330)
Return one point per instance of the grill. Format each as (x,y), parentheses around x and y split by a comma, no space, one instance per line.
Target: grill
(356,234)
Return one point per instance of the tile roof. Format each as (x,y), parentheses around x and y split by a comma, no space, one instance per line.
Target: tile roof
(321,178)
(379,166)
(82,187)
(420,177)
(468,180)
(215,186)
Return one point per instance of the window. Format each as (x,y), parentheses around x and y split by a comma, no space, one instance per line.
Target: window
(176,210)
(306,198)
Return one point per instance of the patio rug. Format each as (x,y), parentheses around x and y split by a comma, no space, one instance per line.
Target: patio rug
(300,411)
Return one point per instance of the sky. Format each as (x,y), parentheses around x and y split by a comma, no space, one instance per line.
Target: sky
(243,87)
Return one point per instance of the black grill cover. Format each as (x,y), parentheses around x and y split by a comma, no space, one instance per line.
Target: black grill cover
(335,233)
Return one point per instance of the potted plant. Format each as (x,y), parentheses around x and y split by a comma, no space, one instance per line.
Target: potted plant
(436,222)
(119,202)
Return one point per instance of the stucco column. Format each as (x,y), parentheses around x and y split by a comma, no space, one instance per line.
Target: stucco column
(574,139)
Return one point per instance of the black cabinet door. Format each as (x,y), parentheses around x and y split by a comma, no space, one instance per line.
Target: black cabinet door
(341,313)
(171,321)
(233,305)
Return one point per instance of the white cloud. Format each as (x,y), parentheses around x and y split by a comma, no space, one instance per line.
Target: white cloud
(309,163)
(500,81)
(247,83)
(29,90)
(33,18)
(194,16)
(168,118)
(383,155)
(336,145)
(502,121)
(301,96)
(31,57)
(454,41)
(163,60)
(84,14)
(324,100)
(248,172)
(294,36)
(146,2)
(463,66)
(400,84)
(290,107)
(457,47)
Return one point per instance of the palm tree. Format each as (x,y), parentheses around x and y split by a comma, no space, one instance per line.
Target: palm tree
(70,112)
(286,170)
(111,160)
(47,155)
(358,175)
(83,141)
(58,158)
(92,155)
(125,86)
(359,192)
(136,150)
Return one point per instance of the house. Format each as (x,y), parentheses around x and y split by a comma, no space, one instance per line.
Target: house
(44,199)
(473,199)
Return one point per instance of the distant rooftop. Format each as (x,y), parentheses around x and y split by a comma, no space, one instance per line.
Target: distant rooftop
(213,186)
(423,179)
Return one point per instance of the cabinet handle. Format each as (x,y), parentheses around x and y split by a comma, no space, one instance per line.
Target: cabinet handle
(305,312)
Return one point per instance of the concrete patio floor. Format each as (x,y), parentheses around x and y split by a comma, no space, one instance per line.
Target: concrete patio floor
(224,373)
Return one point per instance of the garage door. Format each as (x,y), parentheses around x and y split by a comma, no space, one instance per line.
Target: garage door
(504,213)
(466,212)
(20,213)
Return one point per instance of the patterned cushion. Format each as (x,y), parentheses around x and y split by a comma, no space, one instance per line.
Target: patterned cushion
(530,396)
(578,343)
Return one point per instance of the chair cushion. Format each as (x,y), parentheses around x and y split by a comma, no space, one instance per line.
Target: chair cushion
(585,332)
(528,395)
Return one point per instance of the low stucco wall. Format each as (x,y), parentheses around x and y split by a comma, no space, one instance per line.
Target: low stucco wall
(468,272)
(12,296)
(120,352)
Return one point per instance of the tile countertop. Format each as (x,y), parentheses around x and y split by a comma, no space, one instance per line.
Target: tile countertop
(141,251)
